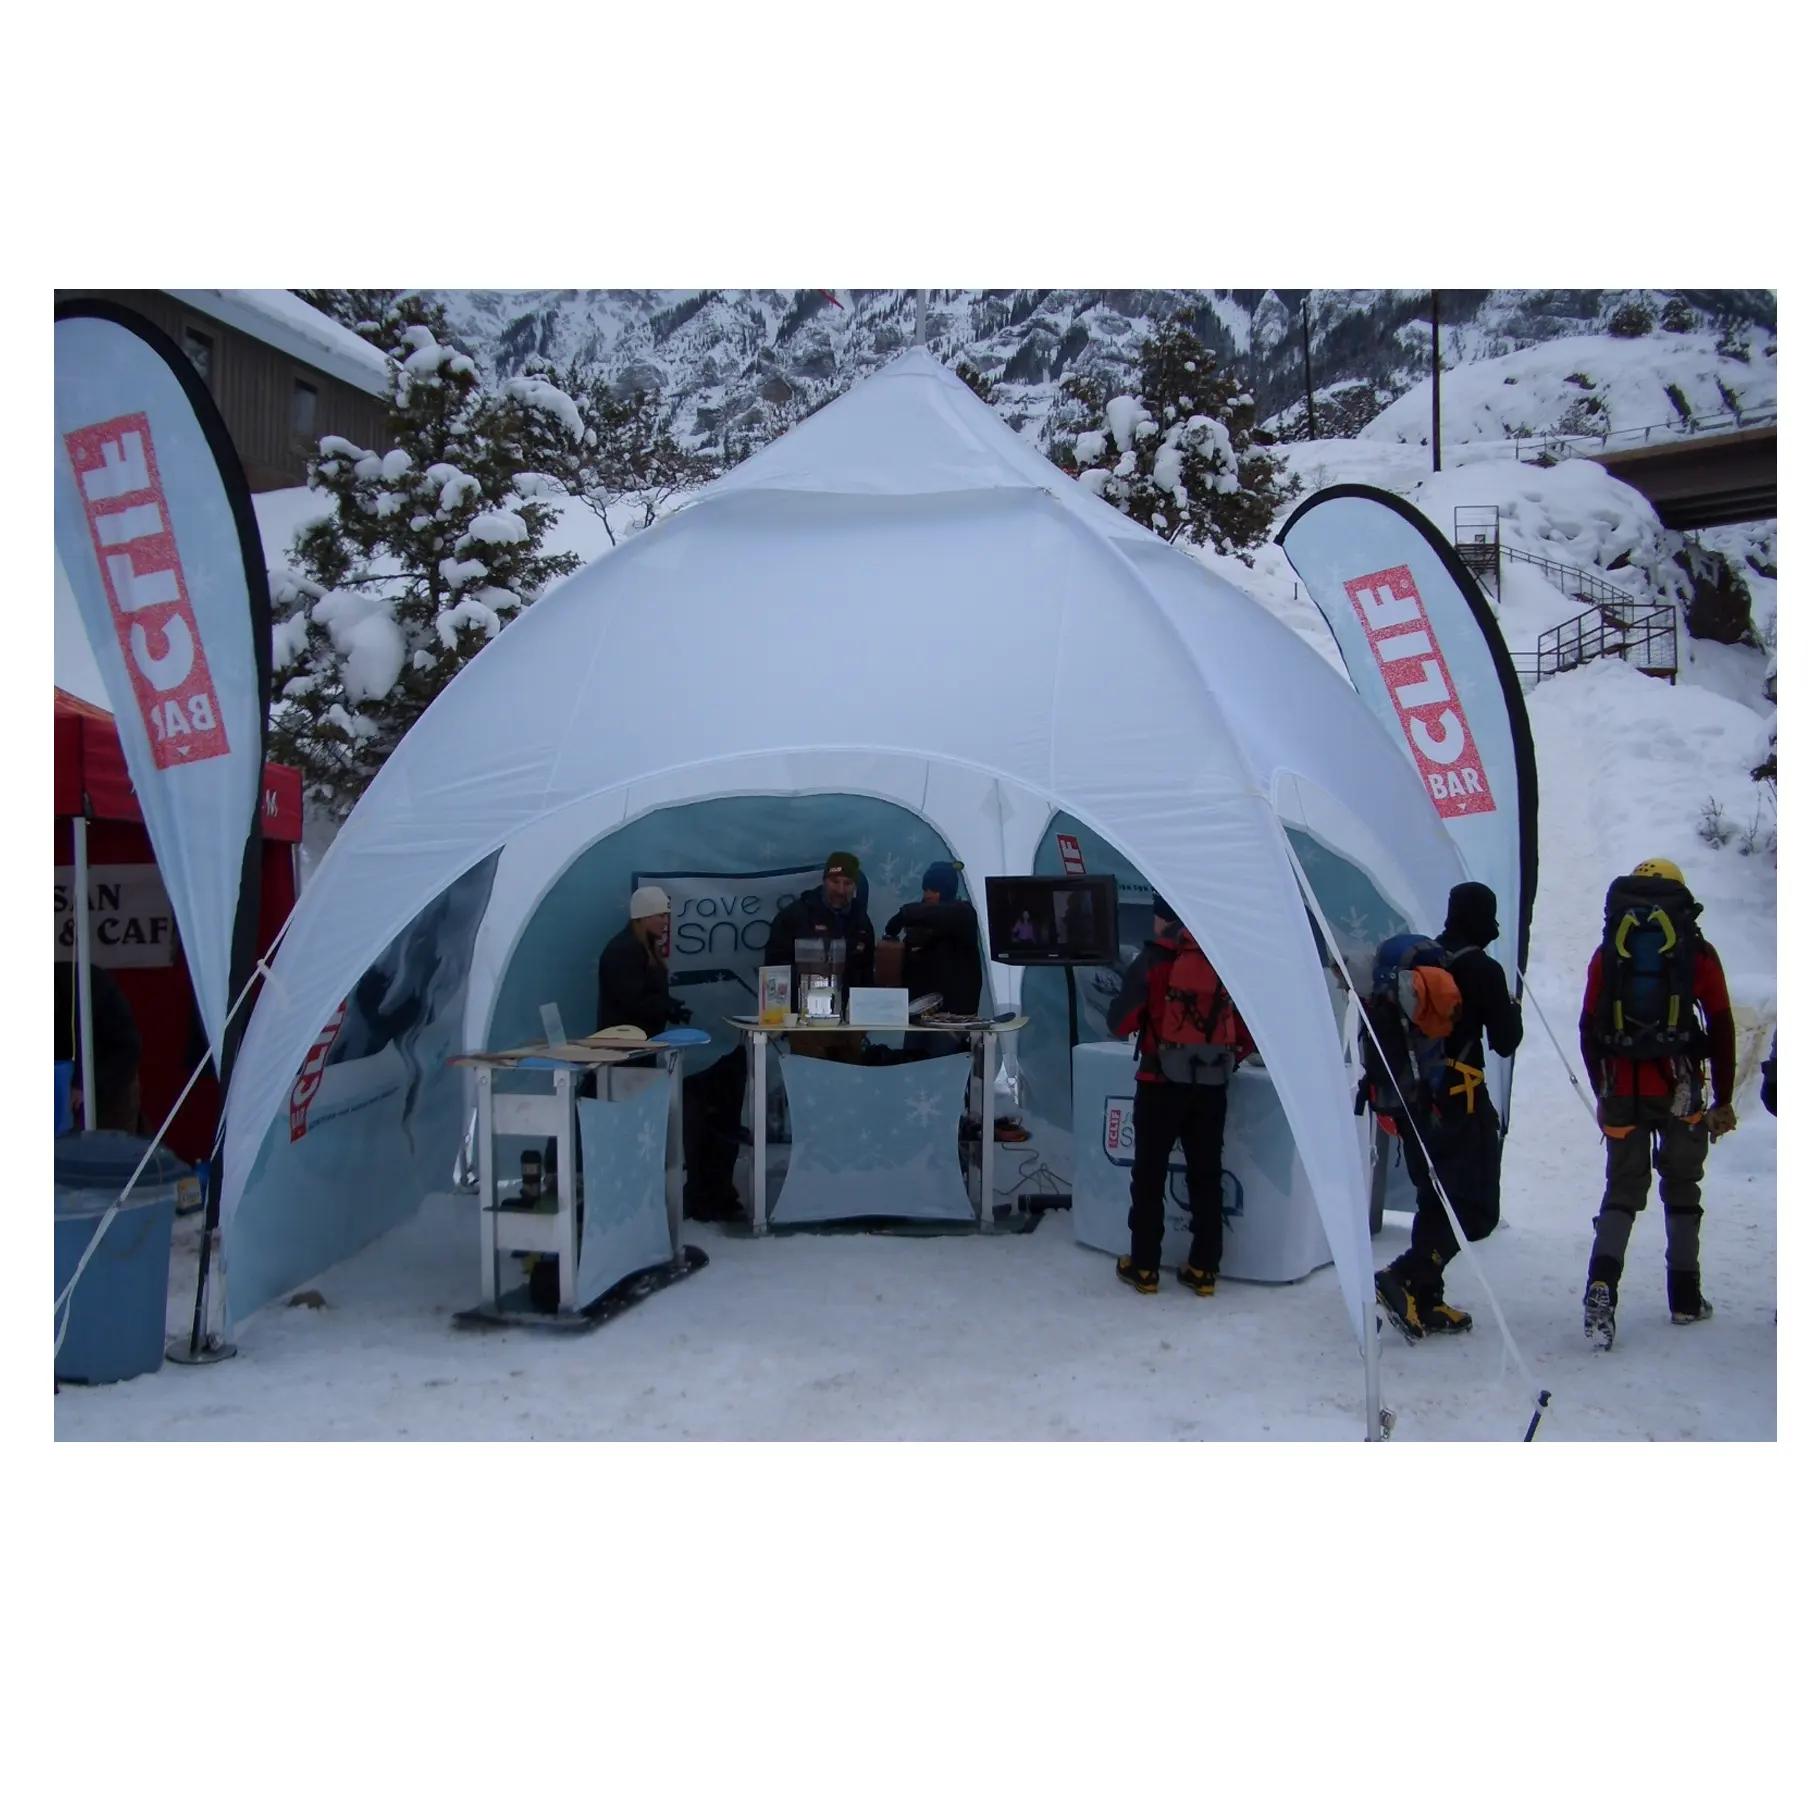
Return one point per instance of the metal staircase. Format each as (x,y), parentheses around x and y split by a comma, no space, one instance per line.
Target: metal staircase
(1615,625)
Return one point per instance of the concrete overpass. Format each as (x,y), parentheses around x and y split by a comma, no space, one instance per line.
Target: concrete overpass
(1702,481)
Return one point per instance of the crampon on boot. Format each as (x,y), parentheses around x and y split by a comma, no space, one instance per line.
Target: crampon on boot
(1398,1303)
(1597,1315)
(1440,1318)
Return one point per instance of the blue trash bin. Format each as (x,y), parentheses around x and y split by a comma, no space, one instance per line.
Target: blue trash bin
(116,1316)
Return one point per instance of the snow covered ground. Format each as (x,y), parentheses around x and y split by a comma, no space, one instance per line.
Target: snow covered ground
(1029,1337)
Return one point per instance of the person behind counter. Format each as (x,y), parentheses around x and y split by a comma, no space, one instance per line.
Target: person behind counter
(830,911)
(943,954)
(633,974)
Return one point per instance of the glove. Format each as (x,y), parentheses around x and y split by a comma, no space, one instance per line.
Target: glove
(1722,1118)
(893,928)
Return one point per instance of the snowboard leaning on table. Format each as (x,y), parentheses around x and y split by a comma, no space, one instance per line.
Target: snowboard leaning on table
(514,1309)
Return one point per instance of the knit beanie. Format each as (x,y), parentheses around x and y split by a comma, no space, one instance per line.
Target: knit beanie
(943,878)
(648,901)
(841,862)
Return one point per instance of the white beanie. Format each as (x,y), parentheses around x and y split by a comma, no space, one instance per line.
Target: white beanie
(648,901)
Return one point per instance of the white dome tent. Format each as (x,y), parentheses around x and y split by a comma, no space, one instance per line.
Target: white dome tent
(899,599)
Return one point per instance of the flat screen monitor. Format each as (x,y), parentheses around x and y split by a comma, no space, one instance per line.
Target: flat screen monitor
(1053,919)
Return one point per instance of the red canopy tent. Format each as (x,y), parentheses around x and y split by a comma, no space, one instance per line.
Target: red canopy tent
(89,762)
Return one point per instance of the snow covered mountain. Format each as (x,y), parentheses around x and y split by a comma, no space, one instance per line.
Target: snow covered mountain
(739,364)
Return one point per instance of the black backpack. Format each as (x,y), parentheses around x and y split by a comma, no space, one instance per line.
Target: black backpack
(1647,960)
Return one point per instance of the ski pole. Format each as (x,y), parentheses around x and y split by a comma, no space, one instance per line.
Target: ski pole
(1536,1415)
(1524,983)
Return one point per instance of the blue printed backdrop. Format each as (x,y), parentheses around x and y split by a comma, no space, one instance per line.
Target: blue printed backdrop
(874,1141)
(743,838)
(623,1148)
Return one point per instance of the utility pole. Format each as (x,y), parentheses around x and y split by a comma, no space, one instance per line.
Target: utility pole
(919,321)
(1435,383)
(1309,388)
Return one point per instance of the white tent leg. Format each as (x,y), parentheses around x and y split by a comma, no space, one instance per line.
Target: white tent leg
(1370,1355)
(79,833)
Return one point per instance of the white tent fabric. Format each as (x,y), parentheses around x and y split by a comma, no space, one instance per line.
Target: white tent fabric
(899,598)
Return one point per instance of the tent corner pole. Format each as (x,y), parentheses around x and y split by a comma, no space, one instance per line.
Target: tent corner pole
(1376,1430)
(78,827)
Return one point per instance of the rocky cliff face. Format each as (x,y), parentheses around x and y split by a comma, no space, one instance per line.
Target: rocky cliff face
(738,365)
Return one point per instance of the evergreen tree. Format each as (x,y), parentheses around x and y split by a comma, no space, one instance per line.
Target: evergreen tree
(379,315)
(431,548)
(605,449)
(1179,457)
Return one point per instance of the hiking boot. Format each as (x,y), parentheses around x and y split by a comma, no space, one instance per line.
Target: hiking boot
(1198,1279)
(1144,1279)
(1597,1322)
(1686,1305)
(1442,1318)
(1398,1303)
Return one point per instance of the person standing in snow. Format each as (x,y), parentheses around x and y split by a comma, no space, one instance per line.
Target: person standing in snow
(1456,1126)
(1654,1013)
(1191,1038)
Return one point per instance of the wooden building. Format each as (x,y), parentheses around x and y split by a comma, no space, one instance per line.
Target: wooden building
(282,373)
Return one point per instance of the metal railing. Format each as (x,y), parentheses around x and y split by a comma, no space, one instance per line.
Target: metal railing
(1548,449)
(1575,582)
(1643,638)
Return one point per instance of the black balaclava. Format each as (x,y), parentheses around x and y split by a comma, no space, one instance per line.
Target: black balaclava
(1473,915)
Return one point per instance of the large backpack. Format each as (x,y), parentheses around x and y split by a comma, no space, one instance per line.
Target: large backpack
(1198,1031)
(1414,1005)
(1648,950)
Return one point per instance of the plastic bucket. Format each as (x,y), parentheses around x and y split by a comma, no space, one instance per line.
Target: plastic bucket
(116,1316)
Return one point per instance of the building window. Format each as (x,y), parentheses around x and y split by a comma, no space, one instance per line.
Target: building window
(200,348)
(302,411)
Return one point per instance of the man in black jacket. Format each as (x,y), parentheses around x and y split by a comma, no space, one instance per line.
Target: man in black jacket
(633,975)
(943,955)
(1457,1124)
(830,911)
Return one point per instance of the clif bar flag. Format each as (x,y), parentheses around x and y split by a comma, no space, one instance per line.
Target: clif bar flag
(156,532)
(1424,650)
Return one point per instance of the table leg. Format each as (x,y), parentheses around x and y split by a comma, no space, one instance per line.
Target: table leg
(671,1163)
(987,1167)
(566,1216)
(758,1131)
(488,1197)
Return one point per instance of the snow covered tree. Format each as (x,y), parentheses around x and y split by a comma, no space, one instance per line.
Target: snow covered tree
(1180,456)
(607,450)
(431,547)
(380,315)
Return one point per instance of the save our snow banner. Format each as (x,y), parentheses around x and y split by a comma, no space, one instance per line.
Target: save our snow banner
(155,531)
(1424,650)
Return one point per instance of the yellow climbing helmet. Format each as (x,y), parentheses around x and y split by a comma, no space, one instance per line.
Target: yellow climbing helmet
(1660,867)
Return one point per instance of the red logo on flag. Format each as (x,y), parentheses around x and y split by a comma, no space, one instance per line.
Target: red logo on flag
(1398,631)
(1070,853)
(116,469)
(308,1079)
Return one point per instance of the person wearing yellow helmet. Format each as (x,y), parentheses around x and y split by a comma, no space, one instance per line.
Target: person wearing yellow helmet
(1655,1015)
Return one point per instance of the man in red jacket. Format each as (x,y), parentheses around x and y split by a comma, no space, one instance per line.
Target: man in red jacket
(1191,1039)
(1653,1110)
